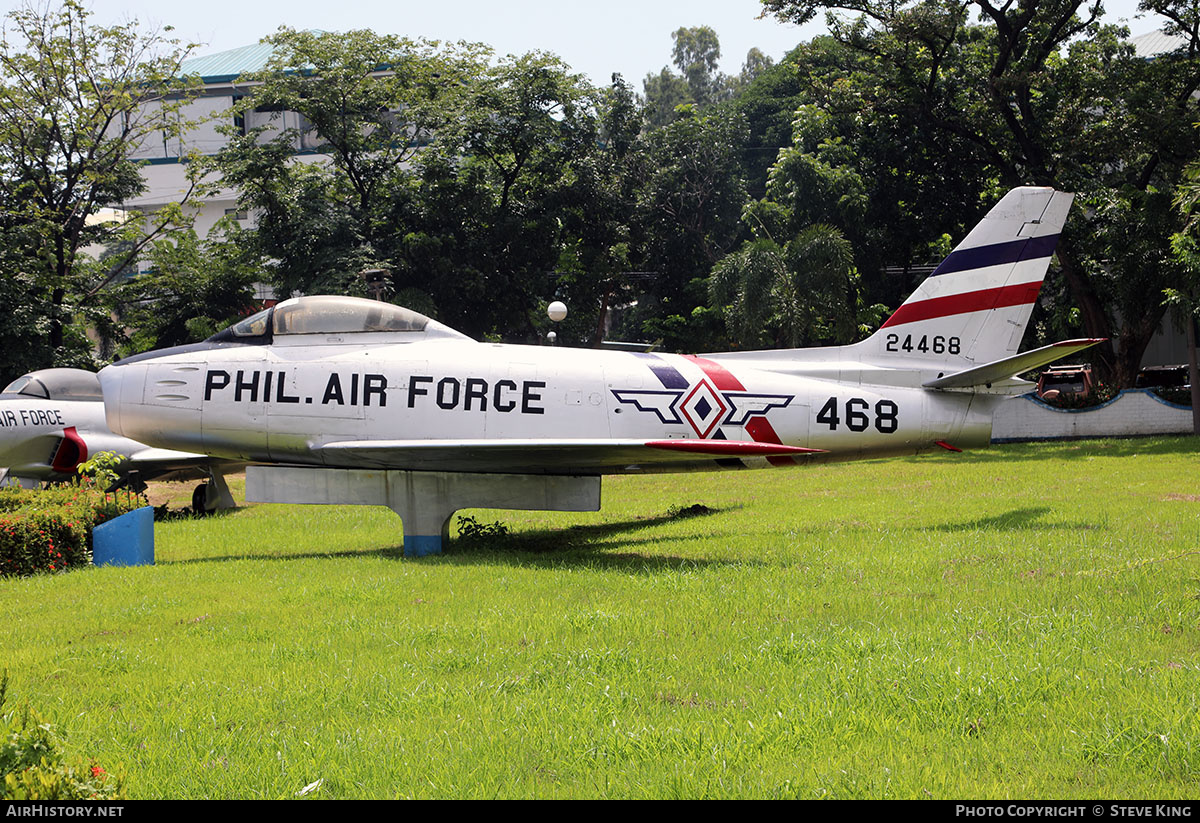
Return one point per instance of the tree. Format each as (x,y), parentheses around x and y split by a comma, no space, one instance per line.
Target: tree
(1185,296)
(755,65)
(805,292)
(194,288)
(368,103)
(447,171)
(768,97)
(664,93)
(696,52)
(689,207)
(1037,93)
(76,101)
(499,186)
(593,271)
(1131,121)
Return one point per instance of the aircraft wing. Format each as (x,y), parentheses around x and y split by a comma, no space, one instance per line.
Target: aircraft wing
(167,458)
(565,456)
(1008,367)
(168,464)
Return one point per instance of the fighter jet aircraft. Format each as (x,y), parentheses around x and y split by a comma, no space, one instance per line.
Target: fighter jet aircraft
(367,401)
(52,420)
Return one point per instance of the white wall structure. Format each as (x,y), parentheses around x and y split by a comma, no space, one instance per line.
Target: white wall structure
(165,161)
(1133,412)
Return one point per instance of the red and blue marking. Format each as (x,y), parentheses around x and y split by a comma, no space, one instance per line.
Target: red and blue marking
(972,259)
(711,400)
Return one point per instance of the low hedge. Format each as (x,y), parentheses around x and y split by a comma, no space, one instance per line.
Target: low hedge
(50,530)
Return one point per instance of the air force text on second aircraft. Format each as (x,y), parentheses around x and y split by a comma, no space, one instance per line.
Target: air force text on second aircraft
(468,394)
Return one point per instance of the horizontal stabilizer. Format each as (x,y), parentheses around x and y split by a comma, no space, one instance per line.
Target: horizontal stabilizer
(560,456)
(1008,367)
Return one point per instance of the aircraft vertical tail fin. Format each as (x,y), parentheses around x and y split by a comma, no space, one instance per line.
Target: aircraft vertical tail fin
(974,307)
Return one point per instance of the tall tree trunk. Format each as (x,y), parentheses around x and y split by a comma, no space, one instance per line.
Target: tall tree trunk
(1135,336)
(598,338)
(1095,320)
(1193,372)
(56,318)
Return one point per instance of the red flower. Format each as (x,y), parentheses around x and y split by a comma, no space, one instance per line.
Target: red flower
(97,771)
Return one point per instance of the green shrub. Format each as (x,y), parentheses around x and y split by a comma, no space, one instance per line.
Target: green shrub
(473,532)
(33,766)
(51,530)
(34,541)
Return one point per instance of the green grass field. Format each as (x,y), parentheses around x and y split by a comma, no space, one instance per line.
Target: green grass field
(1021,622)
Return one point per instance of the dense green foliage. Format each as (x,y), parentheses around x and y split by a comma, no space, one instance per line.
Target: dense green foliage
(194,288)
(923,107)
(1184,296)
(76,100)
(805,292)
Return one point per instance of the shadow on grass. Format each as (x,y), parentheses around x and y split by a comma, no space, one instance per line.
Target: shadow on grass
(576,545)
(587,546)
(611,546)
(387,551)
(1017,520)
(1072,449)
(162,514)
(1014,521)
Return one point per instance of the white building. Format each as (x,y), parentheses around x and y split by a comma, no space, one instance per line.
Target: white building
(165,161)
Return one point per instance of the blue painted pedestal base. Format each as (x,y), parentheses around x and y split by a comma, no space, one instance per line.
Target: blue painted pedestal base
(127,540)
(421,545)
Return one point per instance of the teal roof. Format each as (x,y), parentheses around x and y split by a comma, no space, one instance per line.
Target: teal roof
(225,66)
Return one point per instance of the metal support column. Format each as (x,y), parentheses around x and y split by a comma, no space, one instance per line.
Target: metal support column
(425,501)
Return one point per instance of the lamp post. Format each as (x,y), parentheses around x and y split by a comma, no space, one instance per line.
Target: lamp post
(556,311)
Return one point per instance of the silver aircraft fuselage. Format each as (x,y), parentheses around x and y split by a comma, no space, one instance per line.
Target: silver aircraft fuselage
(295,400)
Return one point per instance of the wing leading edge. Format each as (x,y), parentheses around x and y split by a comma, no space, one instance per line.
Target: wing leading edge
(566,456)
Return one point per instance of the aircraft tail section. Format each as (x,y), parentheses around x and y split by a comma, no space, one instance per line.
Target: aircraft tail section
(974,307)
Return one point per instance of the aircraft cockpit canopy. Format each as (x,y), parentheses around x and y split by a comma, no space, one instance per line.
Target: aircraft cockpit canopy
(57,384)
(332,315)
(343,315)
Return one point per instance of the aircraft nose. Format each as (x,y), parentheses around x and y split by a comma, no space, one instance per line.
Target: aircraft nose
(111,379)
(9,437)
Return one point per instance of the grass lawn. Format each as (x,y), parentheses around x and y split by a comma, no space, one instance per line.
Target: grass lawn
(1020,622)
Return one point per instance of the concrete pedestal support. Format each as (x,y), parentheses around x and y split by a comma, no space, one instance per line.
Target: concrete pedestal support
(425,501)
